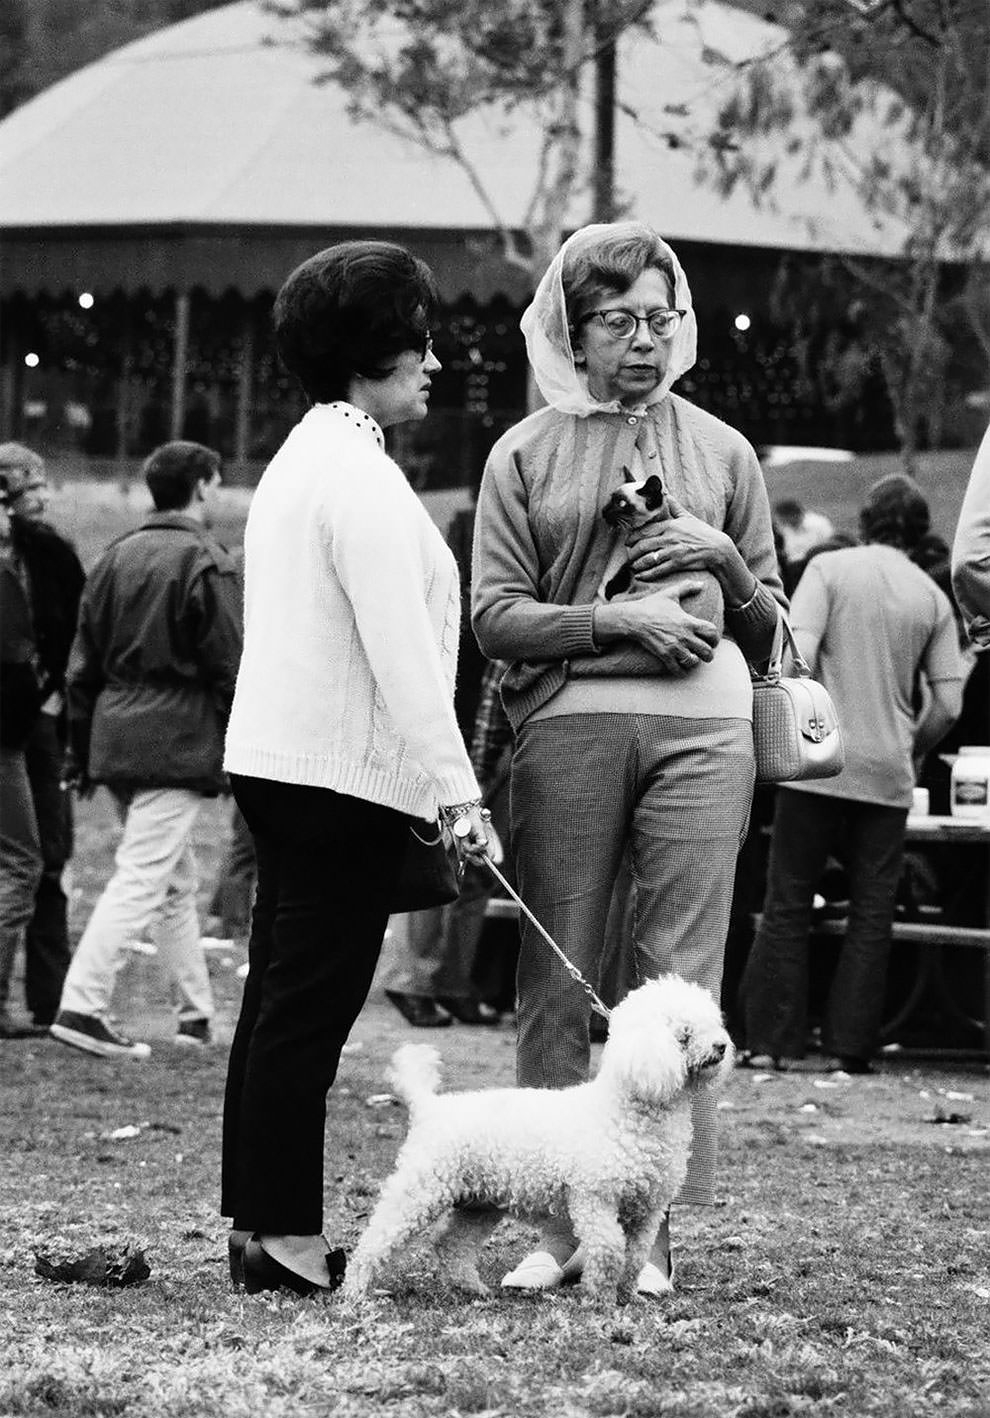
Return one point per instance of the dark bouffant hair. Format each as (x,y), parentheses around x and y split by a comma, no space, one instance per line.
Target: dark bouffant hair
(613,265)
(895,512)
(173,470)
(350,310)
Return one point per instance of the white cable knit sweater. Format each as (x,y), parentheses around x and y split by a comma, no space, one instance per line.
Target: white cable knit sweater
(351,611)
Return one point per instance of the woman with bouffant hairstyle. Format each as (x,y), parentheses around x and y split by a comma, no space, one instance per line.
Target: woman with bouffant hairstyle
(342,732)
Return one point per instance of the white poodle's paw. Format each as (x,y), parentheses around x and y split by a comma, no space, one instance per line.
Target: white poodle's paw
(469,1282)
(600,1301)
(357,1281)
(652,1284)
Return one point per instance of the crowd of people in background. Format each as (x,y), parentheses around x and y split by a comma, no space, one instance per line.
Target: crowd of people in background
(595,746)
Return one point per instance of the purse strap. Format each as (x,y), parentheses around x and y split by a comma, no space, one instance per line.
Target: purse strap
(774,668)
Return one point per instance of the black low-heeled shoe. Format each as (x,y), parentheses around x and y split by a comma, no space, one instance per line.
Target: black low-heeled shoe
(236,1241)
(263,1272)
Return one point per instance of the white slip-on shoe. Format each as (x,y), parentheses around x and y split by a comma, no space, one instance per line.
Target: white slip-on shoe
(537,1271)
(652,1281)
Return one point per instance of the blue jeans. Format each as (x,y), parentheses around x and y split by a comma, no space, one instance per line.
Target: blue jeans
(868,839)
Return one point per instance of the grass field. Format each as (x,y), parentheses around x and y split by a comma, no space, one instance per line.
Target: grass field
(845,1272)
(93,510)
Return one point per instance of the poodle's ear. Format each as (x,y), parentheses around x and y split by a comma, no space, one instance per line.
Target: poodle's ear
(643,1059)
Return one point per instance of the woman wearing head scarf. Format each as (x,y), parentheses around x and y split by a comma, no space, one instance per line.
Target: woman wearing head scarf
(632,711)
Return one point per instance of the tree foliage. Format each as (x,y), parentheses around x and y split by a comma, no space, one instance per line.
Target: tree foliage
(893,95)
(420,67)
(42,41)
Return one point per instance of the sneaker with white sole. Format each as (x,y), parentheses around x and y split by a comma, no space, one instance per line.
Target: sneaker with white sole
(194,1032)
(92,1033)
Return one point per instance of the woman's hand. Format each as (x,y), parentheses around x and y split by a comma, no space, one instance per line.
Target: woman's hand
(660,624)
(681,542)
(684,542)
(468,823)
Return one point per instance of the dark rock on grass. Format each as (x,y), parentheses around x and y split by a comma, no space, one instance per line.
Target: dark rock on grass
(99,1265)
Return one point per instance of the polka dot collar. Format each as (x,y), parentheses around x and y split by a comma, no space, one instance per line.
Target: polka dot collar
(357,418)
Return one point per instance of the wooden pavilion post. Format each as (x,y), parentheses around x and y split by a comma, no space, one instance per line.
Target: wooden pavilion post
(245,384)
(124,391)
(10,384)
(180,360)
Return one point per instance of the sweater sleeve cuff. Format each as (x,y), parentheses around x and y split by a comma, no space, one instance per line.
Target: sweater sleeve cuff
(577,635)
(753,624)
(458,787)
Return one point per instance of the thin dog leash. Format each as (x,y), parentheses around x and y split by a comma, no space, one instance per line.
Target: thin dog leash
(568,965)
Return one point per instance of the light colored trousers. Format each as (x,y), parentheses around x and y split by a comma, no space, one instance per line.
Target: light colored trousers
(677,792)
(152,893)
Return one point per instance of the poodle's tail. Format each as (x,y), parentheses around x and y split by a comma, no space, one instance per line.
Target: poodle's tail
(415,1073)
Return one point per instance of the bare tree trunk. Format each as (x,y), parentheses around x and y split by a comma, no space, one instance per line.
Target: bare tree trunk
(550,215)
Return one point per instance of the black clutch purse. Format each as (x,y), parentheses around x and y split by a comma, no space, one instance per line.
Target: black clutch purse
(428,875)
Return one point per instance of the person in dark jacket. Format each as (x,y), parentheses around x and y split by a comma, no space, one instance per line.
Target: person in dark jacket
(150,682)
(42,597)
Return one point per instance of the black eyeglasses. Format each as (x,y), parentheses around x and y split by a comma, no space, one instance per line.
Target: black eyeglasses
(622,324)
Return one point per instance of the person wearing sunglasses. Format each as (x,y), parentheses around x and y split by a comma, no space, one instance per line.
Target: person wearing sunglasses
(342,731)
(632,715)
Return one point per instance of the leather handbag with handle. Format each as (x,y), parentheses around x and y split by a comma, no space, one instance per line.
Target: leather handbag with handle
(429,875)
(796,730)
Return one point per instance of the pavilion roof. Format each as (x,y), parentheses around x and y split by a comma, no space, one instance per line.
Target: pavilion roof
(207,132)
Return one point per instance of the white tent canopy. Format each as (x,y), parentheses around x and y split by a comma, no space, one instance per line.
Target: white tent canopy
(210,124)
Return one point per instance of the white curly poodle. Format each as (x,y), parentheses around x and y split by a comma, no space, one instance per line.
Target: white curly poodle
(610,1154)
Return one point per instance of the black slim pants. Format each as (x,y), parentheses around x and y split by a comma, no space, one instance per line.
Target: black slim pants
(46,943)
(326,865)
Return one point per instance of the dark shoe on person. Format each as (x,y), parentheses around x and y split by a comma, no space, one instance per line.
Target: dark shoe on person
(9,1029)
(419,1010)
(194,1033)
(236,1241)
(469,1011)
(847,1063)
(262,1272)
(94,1035)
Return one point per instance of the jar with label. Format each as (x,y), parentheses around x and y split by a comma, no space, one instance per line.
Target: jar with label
(969,791)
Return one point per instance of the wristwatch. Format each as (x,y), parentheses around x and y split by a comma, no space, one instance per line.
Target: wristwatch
(461,826)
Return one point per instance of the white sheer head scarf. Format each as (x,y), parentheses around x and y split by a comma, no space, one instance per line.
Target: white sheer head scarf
(564,384)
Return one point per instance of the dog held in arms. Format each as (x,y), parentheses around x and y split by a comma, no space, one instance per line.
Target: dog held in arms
(611,1154)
